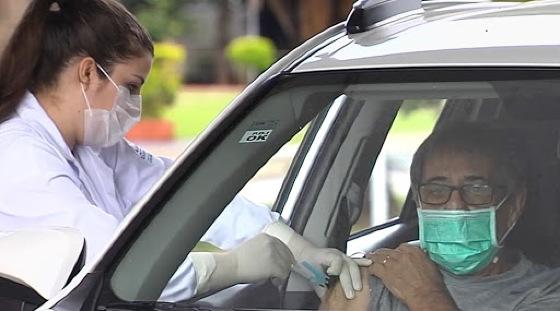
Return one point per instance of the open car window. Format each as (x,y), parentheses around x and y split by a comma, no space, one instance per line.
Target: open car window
(389,182)
(330,188)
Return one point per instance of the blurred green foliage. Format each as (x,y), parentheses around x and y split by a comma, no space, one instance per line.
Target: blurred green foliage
(164,19)
(255,52)
(195,108)
(164,81)
(411,105)
(414,120)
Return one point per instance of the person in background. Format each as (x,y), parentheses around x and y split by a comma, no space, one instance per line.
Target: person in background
(70,81)
(470,186)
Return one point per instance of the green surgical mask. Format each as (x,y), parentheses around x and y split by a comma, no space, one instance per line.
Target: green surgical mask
(461,242)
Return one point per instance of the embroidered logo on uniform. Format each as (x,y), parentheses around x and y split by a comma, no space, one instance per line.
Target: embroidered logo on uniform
(143,154)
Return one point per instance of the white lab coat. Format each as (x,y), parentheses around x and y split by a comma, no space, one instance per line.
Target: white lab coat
(44,183)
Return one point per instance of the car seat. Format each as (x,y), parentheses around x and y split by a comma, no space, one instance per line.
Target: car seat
(537,233)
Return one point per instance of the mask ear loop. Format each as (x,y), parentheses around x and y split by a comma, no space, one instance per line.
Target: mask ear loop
(504,236)
(86,99)
(107,75)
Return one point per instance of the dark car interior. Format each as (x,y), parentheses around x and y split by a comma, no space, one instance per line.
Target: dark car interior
(15,296)
(19,297)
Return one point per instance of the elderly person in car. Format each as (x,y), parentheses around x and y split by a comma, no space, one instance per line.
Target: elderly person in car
(469,184)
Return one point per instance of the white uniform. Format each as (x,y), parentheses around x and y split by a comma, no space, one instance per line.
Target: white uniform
(44,183)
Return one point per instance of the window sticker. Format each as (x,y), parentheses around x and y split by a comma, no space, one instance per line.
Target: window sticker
(258,132)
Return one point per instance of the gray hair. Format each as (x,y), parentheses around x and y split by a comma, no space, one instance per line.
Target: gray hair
(500,145)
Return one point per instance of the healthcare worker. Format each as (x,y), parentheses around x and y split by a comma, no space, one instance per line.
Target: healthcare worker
(70,80)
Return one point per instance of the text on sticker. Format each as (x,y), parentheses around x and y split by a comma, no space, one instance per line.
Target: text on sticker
(255,136)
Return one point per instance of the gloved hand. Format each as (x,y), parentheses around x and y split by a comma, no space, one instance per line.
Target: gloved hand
(334,261)
(257,259)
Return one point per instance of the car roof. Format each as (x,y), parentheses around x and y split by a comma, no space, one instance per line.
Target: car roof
(449,34)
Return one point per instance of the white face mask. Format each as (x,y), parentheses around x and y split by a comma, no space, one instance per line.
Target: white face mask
(103,128)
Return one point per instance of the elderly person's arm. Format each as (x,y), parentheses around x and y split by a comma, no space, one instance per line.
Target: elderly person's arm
(412,277)
(407,273)
(335,299)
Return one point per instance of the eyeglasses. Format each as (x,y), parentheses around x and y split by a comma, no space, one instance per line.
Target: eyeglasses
(473,194)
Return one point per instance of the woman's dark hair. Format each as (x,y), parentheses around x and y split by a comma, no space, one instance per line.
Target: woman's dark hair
(52,33)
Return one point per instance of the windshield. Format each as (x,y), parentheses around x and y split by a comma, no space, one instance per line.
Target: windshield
(333,161)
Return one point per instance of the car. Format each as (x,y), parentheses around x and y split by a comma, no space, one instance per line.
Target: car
(331,117)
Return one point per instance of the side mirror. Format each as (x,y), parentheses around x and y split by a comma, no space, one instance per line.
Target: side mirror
(37,263)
